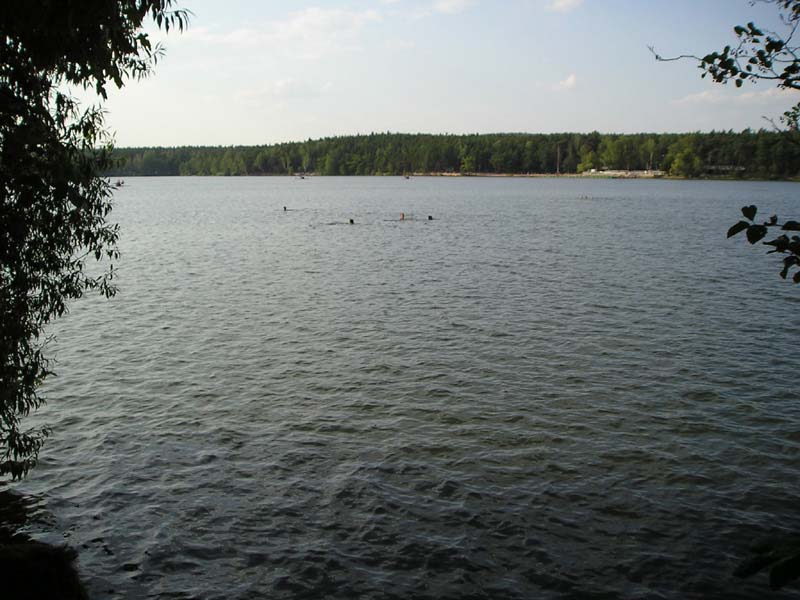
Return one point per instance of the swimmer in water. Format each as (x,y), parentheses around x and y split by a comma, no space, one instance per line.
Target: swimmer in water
(352,222)
(430,217)
(402,216)
(284,209)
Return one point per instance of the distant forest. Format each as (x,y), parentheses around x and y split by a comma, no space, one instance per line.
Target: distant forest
(749,154)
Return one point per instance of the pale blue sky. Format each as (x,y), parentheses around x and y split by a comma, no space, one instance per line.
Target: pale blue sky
(256,72)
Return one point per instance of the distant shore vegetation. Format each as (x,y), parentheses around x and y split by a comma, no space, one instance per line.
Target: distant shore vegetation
(750,154)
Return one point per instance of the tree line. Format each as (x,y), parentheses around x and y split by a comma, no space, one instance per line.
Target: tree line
(749,154)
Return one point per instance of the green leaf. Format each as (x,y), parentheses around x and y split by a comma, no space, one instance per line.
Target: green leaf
(791,226)
(781,244)
(756,233)
(749,212)
(738,228)
(788,262)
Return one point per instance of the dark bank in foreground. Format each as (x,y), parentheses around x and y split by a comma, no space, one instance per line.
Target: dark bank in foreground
(30,569)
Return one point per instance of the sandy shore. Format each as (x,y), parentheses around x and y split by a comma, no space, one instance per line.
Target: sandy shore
(596,174)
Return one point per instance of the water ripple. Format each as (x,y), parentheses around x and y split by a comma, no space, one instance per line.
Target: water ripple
(532,396)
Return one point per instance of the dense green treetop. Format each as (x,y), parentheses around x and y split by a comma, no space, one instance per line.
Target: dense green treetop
(755,154)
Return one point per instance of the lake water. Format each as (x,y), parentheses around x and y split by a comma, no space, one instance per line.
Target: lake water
(558,388)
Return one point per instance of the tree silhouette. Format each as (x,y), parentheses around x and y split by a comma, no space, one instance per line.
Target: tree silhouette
(54,205)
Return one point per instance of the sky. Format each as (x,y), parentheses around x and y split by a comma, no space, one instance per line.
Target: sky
(251,72)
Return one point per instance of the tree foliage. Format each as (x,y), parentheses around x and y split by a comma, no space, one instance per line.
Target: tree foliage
(759,55)
(54,205)
(753,154)
(784,244)
(762,55)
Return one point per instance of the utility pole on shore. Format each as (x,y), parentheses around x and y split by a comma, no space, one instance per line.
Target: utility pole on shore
(558,158)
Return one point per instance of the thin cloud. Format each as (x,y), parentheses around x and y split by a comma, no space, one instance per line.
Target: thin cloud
(309,33)
(564,5)
(567,84)
(705,97)
(443,7)
(717,97)
(294,88)
(450,7)
(399,44)
(282,92)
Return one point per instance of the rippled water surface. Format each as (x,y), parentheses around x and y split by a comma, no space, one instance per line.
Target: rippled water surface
(556,388)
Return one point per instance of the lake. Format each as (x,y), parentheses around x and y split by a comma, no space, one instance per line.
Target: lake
(556,388)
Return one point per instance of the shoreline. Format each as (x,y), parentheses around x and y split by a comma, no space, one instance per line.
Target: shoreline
(598,175)
(585,175)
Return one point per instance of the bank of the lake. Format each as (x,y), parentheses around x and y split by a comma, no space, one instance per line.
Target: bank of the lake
(746,155)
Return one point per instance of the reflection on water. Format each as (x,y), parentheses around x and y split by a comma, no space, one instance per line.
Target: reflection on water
(557,388)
